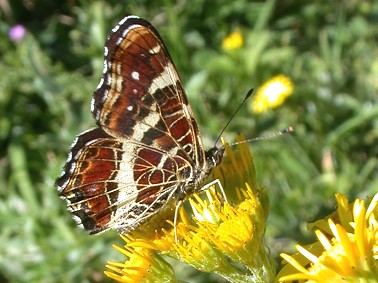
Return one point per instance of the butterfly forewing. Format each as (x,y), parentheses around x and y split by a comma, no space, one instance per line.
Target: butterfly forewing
(147,149)
(140,95)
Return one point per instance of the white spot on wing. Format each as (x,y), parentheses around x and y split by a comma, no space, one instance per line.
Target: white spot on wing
(130,108)
(115,28)
(73,144)
(100,83)
(73,166)
(62,187)
(77,220)
(92,104)
(105,96)
(69,157)
(98,115)
(119,40)
(155,50)
(135,75)
(105,67)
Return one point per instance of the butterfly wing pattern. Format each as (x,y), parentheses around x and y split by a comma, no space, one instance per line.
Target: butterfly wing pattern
(146,149)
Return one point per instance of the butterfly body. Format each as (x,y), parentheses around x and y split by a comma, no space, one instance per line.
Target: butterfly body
(147,148)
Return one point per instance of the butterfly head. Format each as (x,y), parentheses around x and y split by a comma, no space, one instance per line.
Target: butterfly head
(214,156)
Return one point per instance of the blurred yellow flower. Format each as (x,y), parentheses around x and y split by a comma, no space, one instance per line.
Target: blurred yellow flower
(346,251)
(218,230)
(143,265)
(272,93)
(233,41)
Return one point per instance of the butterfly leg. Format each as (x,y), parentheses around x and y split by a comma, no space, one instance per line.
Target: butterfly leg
(175,220)
(214,182)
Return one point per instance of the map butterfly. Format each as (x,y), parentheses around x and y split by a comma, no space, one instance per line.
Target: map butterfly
(146,149)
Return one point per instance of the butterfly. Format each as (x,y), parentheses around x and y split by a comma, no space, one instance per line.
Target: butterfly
(146,149)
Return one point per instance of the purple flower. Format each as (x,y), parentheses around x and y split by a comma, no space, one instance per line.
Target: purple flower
(16,33)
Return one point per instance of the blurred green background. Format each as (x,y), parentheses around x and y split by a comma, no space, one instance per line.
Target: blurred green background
(327,48)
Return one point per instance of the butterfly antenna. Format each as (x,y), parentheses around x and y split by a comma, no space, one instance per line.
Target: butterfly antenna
(287,130)
(249,93)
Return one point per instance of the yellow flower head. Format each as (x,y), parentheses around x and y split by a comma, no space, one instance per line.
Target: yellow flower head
(233,41)
(219,230)
(272,93)
(143,265)
(346,251)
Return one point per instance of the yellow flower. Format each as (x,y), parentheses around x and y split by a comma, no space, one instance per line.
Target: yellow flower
(219,230)
(272,93)
(143,265)
(346,251)
(233,41)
